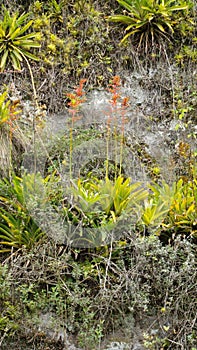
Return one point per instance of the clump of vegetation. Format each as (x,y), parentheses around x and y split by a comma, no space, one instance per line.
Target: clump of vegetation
(84,248)
(17,228)
(88,293)
(149,21)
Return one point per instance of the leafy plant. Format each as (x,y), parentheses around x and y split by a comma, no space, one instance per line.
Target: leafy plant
(55,10)
(7,111)
(172,209)
(17,231)
(157,205)
(149,20)
(15,45)
(4,108)
(85,195)
(9,138)
(17,228)
(102,205)
(119,195)
(153,214)
(182,216)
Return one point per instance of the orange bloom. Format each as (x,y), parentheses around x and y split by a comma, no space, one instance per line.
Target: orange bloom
(79,89)
(125,102)
(116,81)
(115,97)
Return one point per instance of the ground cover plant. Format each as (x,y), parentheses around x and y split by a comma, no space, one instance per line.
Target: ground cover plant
(127,255)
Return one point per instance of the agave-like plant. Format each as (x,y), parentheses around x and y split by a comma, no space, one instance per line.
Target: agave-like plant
(107,200)
(149,20)
(120,195)
(17,231)
(157,206)
(14,43)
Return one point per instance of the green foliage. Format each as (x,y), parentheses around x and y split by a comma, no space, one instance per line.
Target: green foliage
(55,10)
(182,218)
(186,53)
(157,206)
(149,20)
(171,210)
(120,195)
(10,313)
(17,231)
(90,291)
(85,195)
(14,43)
(5,283)
(69,33)
(104,201)
(4,108)
(7,111)
(17,228)
(86,292)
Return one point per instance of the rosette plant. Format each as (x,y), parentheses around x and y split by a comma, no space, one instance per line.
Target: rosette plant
(15,43)
(149,20)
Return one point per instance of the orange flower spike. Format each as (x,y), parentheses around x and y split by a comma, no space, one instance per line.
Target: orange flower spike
(82,82)
(115,84)
(79,90)
(114,89)
(73,100)
(115,97)
(116,81)
(125,102)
